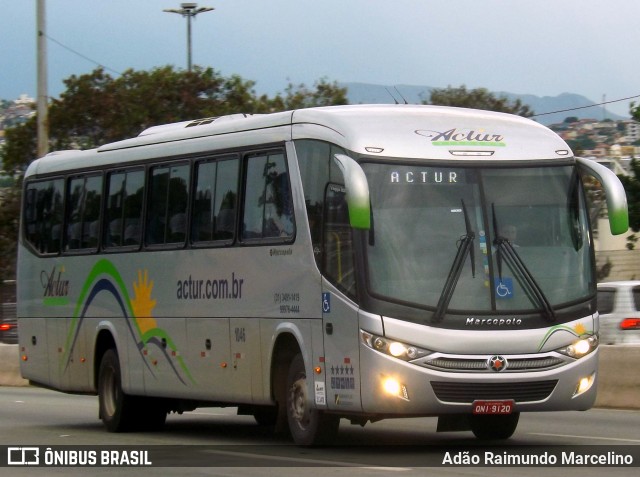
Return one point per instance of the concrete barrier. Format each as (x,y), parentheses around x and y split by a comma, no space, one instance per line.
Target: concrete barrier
(618,376)
(10,366)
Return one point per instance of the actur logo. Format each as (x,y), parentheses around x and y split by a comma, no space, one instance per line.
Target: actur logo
(462,137)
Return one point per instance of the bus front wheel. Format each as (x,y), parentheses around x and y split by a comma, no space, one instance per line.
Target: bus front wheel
(494,427)
(308,425)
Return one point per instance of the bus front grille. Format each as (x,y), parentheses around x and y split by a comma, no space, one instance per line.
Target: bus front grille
(481,365)
(468,392)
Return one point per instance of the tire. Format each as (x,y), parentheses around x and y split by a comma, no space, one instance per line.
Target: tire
(117,409)
(494,427)
(308,425)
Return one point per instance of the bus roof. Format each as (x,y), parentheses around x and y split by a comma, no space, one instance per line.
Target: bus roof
(403,131)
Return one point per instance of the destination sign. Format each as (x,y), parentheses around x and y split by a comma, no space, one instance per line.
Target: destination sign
(427,176)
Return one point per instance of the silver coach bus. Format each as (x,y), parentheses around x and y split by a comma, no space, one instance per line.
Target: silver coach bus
(356,262)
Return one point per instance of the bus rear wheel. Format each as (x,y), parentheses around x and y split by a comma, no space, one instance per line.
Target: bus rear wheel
(488,427)
(308,425)
(119,411)
(116,407)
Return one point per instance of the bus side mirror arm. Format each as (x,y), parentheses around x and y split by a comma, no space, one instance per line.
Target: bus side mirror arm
(614,191)
(357,192)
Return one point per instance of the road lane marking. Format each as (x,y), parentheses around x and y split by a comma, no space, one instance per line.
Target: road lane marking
(584,437)
(301,460)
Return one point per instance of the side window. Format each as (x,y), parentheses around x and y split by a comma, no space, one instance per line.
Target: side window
(84,198)
(43,214)
(215,201)
(123,213)
(606,298)
(268,207)
(317,169)
(338,264)
(167,205)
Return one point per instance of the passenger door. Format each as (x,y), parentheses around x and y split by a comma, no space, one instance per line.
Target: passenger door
(339,311)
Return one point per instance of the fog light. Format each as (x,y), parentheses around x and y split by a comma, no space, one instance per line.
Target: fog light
(395,388)
(584,385)
(391,386)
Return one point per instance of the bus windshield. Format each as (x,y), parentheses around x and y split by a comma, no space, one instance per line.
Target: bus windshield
(473,240)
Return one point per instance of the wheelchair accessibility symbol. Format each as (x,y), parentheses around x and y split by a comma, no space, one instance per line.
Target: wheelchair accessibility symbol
(326,302)
(504,288)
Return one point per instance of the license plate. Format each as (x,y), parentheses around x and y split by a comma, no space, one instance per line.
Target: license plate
(493,407)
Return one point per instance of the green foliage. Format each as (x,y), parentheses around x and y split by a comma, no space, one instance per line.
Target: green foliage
(479,98)
(631,185)
(634,110)
(581,143)
(9,214)
(20,146)
(96,109)
(298,97)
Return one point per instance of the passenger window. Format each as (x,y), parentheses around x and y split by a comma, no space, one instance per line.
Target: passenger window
(215,201)
(268,207)
(43,215)
(167,207)
(123,214)
(84,198)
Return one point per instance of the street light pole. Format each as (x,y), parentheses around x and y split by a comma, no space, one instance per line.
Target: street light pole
(188,10)
(42,101)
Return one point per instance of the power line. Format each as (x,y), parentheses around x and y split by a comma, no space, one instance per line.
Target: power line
(85,57)
(590,106)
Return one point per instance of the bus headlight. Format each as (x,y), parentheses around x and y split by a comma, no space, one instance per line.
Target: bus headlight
(580,348)
(393,348)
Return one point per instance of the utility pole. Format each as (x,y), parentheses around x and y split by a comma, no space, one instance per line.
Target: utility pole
(189,10)
(42,101)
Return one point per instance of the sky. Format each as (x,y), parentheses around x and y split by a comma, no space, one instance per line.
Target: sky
(540,47)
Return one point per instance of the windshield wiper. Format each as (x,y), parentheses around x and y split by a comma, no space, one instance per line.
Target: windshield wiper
(465,248)
(507,251)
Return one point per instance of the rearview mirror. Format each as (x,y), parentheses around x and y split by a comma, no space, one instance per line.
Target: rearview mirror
(355,182)
(615,194)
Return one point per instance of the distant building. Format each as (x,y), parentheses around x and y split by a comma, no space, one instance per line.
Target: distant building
(18,112)
(632,131)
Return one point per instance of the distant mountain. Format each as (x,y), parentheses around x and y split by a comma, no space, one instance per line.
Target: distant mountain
(365,93)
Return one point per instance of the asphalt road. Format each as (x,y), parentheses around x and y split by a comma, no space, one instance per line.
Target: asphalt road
(224,444)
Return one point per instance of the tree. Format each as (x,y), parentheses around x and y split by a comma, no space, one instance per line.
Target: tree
(9,214)
(323,94)
(96,108)
(631,184)
(581,143)
(635,111)
(479,98)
